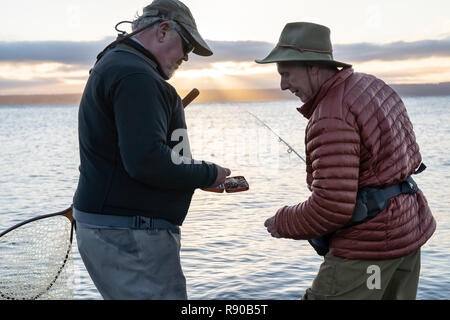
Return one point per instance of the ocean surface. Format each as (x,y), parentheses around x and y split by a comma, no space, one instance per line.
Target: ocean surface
(226,251)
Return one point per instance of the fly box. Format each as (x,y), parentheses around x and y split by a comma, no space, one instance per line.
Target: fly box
(230,185)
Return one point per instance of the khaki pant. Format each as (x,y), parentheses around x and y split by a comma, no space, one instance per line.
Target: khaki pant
(129,264)
(345,279)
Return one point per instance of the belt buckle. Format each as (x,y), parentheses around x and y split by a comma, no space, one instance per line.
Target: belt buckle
(143,222)
(409,186)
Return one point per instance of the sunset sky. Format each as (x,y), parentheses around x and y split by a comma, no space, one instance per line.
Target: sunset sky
(48,46)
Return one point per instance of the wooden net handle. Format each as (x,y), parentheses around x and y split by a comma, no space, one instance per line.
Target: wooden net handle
(190,97)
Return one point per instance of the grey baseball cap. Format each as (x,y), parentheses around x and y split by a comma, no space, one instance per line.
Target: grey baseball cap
(177,11)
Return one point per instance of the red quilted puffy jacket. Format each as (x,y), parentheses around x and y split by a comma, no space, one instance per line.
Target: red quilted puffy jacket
(358,135)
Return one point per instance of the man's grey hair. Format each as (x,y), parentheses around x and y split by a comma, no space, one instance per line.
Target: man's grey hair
(142,21)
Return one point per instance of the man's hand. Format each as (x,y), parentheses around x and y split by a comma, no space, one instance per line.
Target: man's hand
(271,227)
(222,173)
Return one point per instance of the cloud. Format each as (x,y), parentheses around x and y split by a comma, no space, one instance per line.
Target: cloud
(13,83)
(84,53)
(358,52)
(363,52)
(232,51)
(67,52)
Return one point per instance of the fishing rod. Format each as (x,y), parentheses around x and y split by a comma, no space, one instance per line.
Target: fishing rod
(279,138)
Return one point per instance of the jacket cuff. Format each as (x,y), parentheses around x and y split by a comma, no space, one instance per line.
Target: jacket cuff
(279,220)
(212,174)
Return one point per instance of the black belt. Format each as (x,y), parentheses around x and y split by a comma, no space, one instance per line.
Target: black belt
(371,201)
(126,222)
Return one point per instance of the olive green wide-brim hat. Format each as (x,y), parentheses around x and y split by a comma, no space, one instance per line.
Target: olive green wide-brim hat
(304,41)
(177,11)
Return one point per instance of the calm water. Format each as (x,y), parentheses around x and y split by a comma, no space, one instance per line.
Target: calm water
(226,251)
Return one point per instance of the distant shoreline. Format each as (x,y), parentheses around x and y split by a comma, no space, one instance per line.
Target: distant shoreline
(229,95)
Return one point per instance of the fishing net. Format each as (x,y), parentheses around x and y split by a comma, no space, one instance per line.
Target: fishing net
(36,261)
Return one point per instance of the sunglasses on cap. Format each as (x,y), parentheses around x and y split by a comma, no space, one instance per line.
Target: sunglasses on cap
(187,45)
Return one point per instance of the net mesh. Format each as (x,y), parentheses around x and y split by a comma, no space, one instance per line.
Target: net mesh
(36,261)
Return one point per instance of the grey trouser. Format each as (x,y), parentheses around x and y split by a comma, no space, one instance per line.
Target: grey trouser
(348,279)
(127,264)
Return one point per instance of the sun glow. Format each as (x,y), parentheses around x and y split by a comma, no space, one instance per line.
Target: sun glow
(430,70)
(226,68)
(227,75)
(45,77)
(46,70)
(54,77)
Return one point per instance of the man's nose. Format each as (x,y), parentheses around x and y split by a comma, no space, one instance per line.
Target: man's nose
(186,57)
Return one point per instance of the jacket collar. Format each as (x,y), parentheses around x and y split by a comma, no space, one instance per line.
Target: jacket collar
(308,108)
(138,49)
(141,49)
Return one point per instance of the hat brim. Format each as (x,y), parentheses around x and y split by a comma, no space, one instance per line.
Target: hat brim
(279,54)
(201,48)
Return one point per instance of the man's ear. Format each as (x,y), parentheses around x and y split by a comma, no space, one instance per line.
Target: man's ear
(163,28)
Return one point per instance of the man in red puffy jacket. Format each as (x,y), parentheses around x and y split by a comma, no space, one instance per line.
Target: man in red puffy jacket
(360,154)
